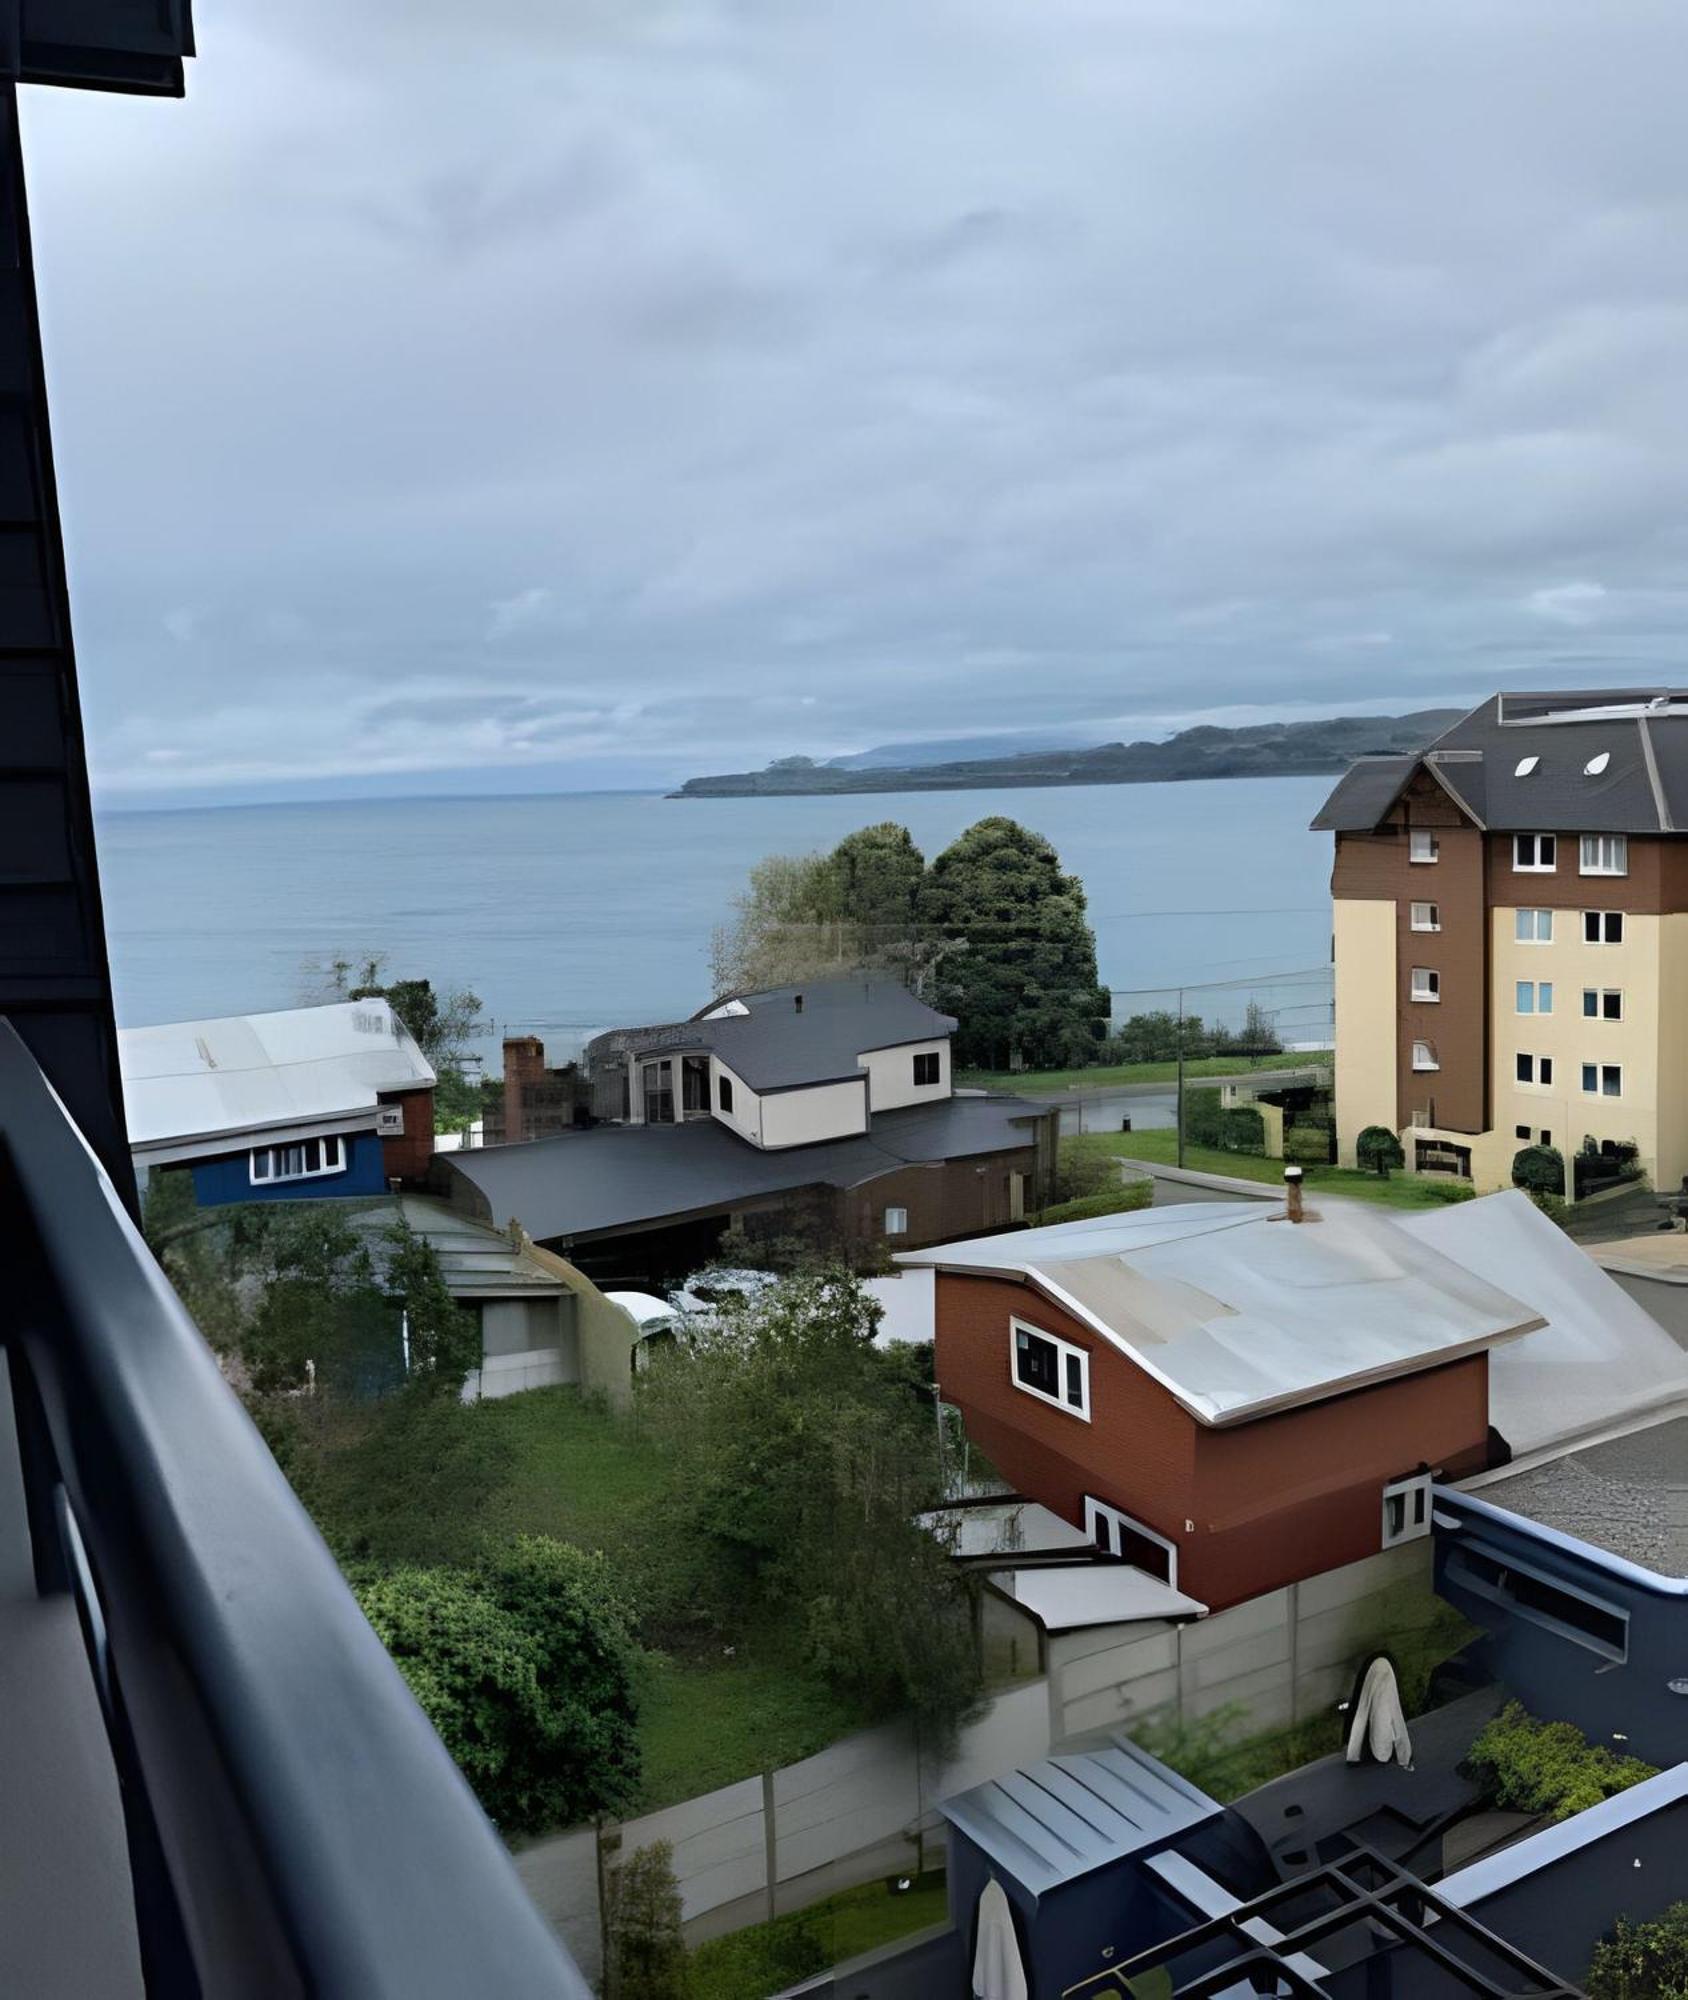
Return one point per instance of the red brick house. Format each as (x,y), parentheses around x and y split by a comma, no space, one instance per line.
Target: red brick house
(1230,1399)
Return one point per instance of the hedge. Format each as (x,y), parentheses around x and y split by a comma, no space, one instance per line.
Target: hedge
(1548,1767)
(1121,1200)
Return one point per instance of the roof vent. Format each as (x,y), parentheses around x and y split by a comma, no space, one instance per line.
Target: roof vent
(1597,764)
(1525,766)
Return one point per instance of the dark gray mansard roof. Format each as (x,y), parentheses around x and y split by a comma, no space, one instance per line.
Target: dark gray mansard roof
(1642,787)
(773,1046)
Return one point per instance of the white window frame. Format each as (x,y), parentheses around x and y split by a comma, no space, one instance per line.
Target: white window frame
(1064,1350)
(1600,918)
(1600,845)
(1426,984)
(896,1221)
(1601,1071)
(1600,995)
(1414,1494)
(1432,920)
(1098,1511)
(1541,1071)
(332,1149)
(1541,996)
(1535,934)
(1424,1056)
(1539,842)
(1422,847)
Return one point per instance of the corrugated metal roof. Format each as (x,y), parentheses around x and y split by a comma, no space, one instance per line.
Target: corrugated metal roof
(248,1073)
(1239,1312)
(1062,1819)
(476,1259)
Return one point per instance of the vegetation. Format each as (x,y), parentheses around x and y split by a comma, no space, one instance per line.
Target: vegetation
(766,1958)
(443,1024)
(1539,1170)
(1161,1149)
(1207,1122)
(1121,1199)
(1548,1767)
(1642,1961)
(1104,1075)
(644,1948)
(1379,1151)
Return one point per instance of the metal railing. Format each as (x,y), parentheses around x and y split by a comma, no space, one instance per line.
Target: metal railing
(294,1824)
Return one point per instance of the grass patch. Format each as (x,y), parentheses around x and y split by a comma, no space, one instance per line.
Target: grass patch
(1161,1149)
(753,1963)
(1110,1075)
(704,1724)
(580,1471)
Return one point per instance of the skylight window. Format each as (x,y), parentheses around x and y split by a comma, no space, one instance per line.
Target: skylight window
(1525,766)
(1597,764)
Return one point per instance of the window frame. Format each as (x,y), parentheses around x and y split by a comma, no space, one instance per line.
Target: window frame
(1433,918)
(1096,1512)
(724,1093)
(1065,1350)
(1601,996)
(1619,842)
(1540,843)
(1425,985)
(1600,1072)
(899,1228)
(1536,912)
(1414,1494)
(1597,922)
(1541,1071)
(934,1058)
(271,1177)
(1541,997)
(1423,848)
(1429,1062)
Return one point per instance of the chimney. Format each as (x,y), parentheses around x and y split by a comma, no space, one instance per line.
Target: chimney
(797,1002)
(1292,1193)
(524,1064)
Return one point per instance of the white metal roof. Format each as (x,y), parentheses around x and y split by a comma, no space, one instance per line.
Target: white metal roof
(1238,1311)
(1099,1593)
(191,1080)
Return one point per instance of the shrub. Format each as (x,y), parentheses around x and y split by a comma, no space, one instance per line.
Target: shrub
(1645,1961)
(1203,1118)
(1378,1150)
(1446,1191)
(1308,1146)
(1120,1200)
(1539,1170)
(644,1948)
(1553,1206)
(1081,1171)
(1548,1767)
(1242,1130)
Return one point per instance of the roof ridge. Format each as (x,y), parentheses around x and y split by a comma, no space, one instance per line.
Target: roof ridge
(1650,758)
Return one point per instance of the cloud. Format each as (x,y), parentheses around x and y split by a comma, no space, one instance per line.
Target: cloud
(1568,603)
(519,613)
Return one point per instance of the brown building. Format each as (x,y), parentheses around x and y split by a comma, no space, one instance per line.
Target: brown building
(1511,938)
(1230,1399)
(536,1102)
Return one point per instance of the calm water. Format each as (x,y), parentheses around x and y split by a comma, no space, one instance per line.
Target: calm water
(573,913)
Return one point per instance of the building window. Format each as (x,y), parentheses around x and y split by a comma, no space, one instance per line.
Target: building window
(1051,1369)
(1603,1003)
(1427,985)
(1117,1534)
(926,1067)
(1535,853)
(1529,1593)
(1534,1069)
(1533,926)
(1533,996)
(1603,926)
(1427,917)
(1424,1056)
(305,1161)
(1521,1132)
(724,1092)
(1406,1509)
(1604,854)
(1421,847)
(1603,1079)
(896,1222)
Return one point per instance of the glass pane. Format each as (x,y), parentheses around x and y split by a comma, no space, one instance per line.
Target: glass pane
(1526,997)
(1544,997)
(1075,1381)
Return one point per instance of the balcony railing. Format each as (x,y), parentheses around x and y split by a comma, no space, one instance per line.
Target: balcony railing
(293,1825)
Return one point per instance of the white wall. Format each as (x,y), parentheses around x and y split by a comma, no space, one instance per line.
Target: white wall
(890,1075)
(804,1117)
(745,1118)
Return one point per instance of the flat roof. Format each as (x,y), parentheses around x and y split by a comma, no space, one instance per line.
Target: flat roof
(1627,1495)
(1238,1311)
(1070,1596)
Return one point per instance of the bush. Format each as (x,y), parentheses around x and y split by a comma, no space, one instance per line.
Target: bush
(1645,1961)
(1081,1171)
(1445,1191)
(1203,1118)
(1309,1146)
(1539,1170)
(644,1947)
(1378,1151)
(1242,1130)
(1548,1767)
(1120,1200)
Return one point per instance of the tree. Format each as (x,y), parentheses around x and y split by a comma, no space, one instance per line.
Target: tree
(1539,1170)
(644,1944)
(443,1024)
(1642,1961)
(443,1340)
(1021,974)
(1156,1037)
(1379,1149)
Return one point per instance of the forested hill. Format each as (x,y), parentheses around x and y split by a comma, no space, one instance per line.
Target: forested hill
(1264,750)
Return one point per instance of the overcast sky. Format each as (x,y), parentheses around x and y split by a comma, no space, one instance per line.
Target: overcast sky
(585,392)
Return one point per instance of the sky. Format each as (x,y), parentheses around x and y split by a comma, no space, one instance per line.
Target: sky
(588,393)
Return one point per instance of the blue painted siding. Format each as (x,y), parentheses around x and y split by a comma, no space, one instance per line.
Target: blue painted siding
(226,1179)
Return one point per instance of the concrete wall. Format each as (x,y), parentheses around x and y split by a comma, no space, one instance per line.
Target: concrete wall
(525,1344)
(890,1076)
(1366,1088)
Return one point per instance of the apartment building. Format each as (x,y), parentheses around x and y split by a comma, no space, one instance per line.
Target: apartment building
(1511,935)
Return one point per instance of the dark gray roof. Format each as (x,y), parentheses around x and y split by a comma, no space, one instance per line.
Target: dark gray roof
(1058,1820)
(777,1045)
(1642,787)
(617,1175)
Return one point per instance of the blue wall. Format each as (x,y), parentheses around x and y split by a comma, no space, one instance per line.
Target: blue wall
(228,1178)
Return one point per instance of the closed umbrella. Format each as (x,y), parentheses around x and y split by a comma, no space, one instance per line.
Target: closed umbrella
(997,1971)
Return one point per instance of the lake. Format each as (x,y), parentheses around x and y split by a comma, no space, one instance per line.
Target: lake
(575,912)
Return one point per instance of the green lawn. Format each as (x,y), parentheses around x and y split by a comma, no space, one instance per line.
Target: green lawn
(764,1958)
(1047,1082)
(581,1473)
(1161,1149)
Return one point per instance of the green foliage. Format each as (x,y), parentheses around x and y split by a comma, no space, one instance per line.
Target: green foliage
(1548,1767)
(1203,1119)
(444,1339)
(442,1023)
(797,1457)
(320,1316)
(1555,1207)
(1539,1170)
(1081,1171)
(767,1958)
(1378,1150)
(1242,1130)
(1642,1961)
(526,1667)
(1308,1145)
(1155,1037)
(1121,1199)
(644,1945)
(1020,975)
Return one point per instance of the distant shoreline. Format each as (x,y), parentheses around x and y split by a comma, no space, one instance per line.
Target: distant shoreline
(917,781)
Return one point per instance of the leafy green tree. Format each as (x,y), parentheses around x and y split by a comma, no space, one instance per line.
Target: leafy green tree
(644,1944)
(1378,1149)
(320,1317)
(444,1340)
(1021,976)
(1155,1037)
(787,926)
(443,1023)
(1642,1961)
(1539,1170)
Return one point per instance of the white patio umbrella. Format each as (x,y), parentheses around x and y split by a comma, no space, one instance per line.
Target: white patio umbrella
(997,1971)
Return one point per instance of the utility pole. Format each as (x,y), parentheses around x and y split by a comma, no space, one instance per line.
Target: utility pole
(1178,1114)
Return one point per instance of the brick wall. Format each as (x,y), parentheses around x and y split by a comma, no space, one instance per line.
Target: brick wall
(407,1158)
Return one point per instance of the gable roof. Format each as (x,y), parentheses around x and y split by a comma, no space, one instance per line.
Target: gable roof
(188,1080)
(1238,1312)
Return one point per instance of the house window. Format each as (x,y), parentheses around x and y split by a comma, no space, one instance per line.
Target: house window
(724,1092)
(1529,1593)
(1406,1509)
(1603,1003)
(1521,1132)
(1117,1534)
(1533,926)
(1603,1079)
(896,1222)
(1053,1370)
(1427,917)
(1533,996)
(1427,985)
(1535,853)
(1603,926)
(926,1067)
(1547,1138)
(1533,1069)
(1421,847)
(307,1160)
(1604,854)
(1424,1056)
